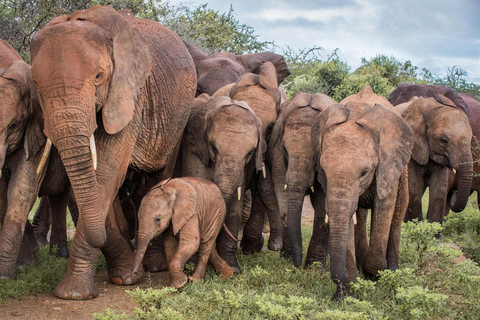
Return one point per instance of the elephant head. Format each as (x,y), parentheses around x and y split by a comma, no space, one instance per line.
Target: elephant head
(88,69)
(20,112)
(171,202)
(292,159)
(443,135)
(225,134)
(357,148)
(220,69)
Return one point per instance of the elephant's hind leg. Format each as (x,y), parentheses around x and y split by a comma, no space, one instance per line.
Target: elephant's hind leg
(220,265)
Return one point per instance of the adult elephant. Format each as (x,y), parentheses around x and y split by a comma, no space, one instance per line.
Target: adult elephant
(220,69)
(361,153)
(291,157)
(442,142)
(122,86)
(262,94)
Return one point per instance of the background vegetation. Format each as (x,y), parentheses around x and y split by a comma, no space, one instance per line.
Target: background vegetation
(313,69)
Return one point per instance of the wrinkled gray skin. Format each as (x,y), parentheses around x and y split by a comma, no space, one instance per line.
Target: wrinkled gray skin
(361,153)
(262,94)
(221,137)
(291,158)
(442,143)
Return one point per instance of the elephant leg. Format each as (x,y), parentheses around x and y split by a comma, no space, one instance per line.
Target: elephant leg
(188,244)
(361,237)
(317,248)
(267,194)
(252,239)
(155,257)
(21,195)
(171,245)
(58,238)
(437,184)
(41,221)
(118,253)
(393,249)
(3,199)
(226,245)
(122,222)
(26,255)
(416,189)
(128,209)
(203,254)
(220,265)
(381,221)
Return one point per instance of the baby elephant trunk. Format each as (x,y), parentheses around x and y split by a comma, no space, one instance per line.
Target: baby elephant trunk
(141,248)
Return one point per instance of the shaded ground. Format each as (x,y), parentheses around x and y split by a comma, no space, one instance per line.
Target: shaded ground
(47,306)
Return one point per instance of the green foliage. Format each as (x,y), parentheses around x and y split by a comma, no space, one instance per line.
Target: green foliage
(418,240)
(419,303)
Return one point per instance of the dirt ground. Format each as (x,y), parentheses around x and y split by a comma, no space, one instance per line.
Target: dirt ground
(47,306)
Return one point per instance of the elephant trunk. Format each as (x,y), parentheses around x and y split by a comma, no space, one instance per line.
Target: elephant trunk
(142,246)
(464,173)
(339,211)
(228,178)
(294,219)
(71,129)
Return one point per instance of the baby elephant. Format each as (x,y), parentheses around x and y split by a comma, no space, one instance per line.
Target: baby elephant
(191,211)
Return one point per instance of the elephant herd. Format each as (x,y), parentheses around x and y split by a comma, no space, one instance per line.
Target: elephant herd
(112,105)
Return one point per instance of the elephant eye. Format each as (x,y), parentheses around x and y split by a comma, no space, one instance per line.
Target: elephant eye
(99,76)
(364,173)
(214,149)
(12,126)
(444,141)
(157,220)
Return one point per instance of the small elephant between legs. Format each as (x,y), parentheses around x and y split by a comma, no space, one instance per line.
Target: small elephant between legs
(191,211)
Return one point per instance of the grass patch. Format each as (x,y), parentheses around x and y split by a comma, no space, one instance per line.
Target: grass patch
(428,285)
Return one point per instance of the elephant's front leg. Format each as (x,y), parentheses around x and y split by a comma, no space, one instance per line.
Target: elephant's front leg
(41,221)
(58,238)
(416,189)
(438,189)
(252,239)
(381,221)
(188,245)
(21,195)
(361,237)
(267,194)
(317,248)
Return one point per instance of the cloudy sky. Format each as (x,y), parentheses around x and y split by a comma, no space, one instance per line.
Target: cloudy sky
(435,34)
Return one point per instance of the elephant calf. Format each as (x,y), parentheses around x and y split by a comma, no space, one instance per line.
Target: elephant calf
(191,211)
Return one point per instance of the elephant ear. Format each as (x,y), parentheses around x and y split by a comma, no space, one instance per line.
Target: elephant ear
(34,136)
(195,130)
(253,61)
(321,101)
(197,54)
(185,203)
(332,116)
(132,65)
(414,117)
(246,80)
(458,102)
(395,139)
(268,80)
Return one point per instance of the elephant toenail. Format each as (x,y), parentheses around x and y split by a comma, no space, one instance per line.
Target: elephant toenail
(77,295)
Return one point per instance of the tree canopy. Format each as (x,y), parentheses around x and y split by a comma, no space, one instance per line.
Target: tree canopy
(313,70)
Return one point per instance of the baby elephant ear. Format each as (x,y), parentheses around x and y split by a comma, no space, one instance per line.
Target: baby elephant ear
(253,61)
(414,117)
(185,203)
(395,146)
(132,65)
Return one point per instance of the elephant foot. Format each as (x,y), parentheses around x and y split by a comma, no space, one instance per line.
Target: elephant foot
(120,271)
(73,288)
(231,259)
(178,279)
(275,243)
(8,271)
(155,262)
(227,272)
(342,292)
(252,245)
(42,239)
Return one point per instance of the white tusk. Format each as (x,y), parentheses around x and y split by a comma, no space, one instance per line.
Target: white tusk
(0,173)
(454,171)
(285,187)
(264,172)
(326,218)
(93,151)
(313,190)
(354,218)
(239,191)
(46,153)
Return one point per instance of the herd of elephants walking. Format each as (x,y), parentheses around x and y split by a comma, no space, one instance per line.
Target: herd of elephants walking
(115,109)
